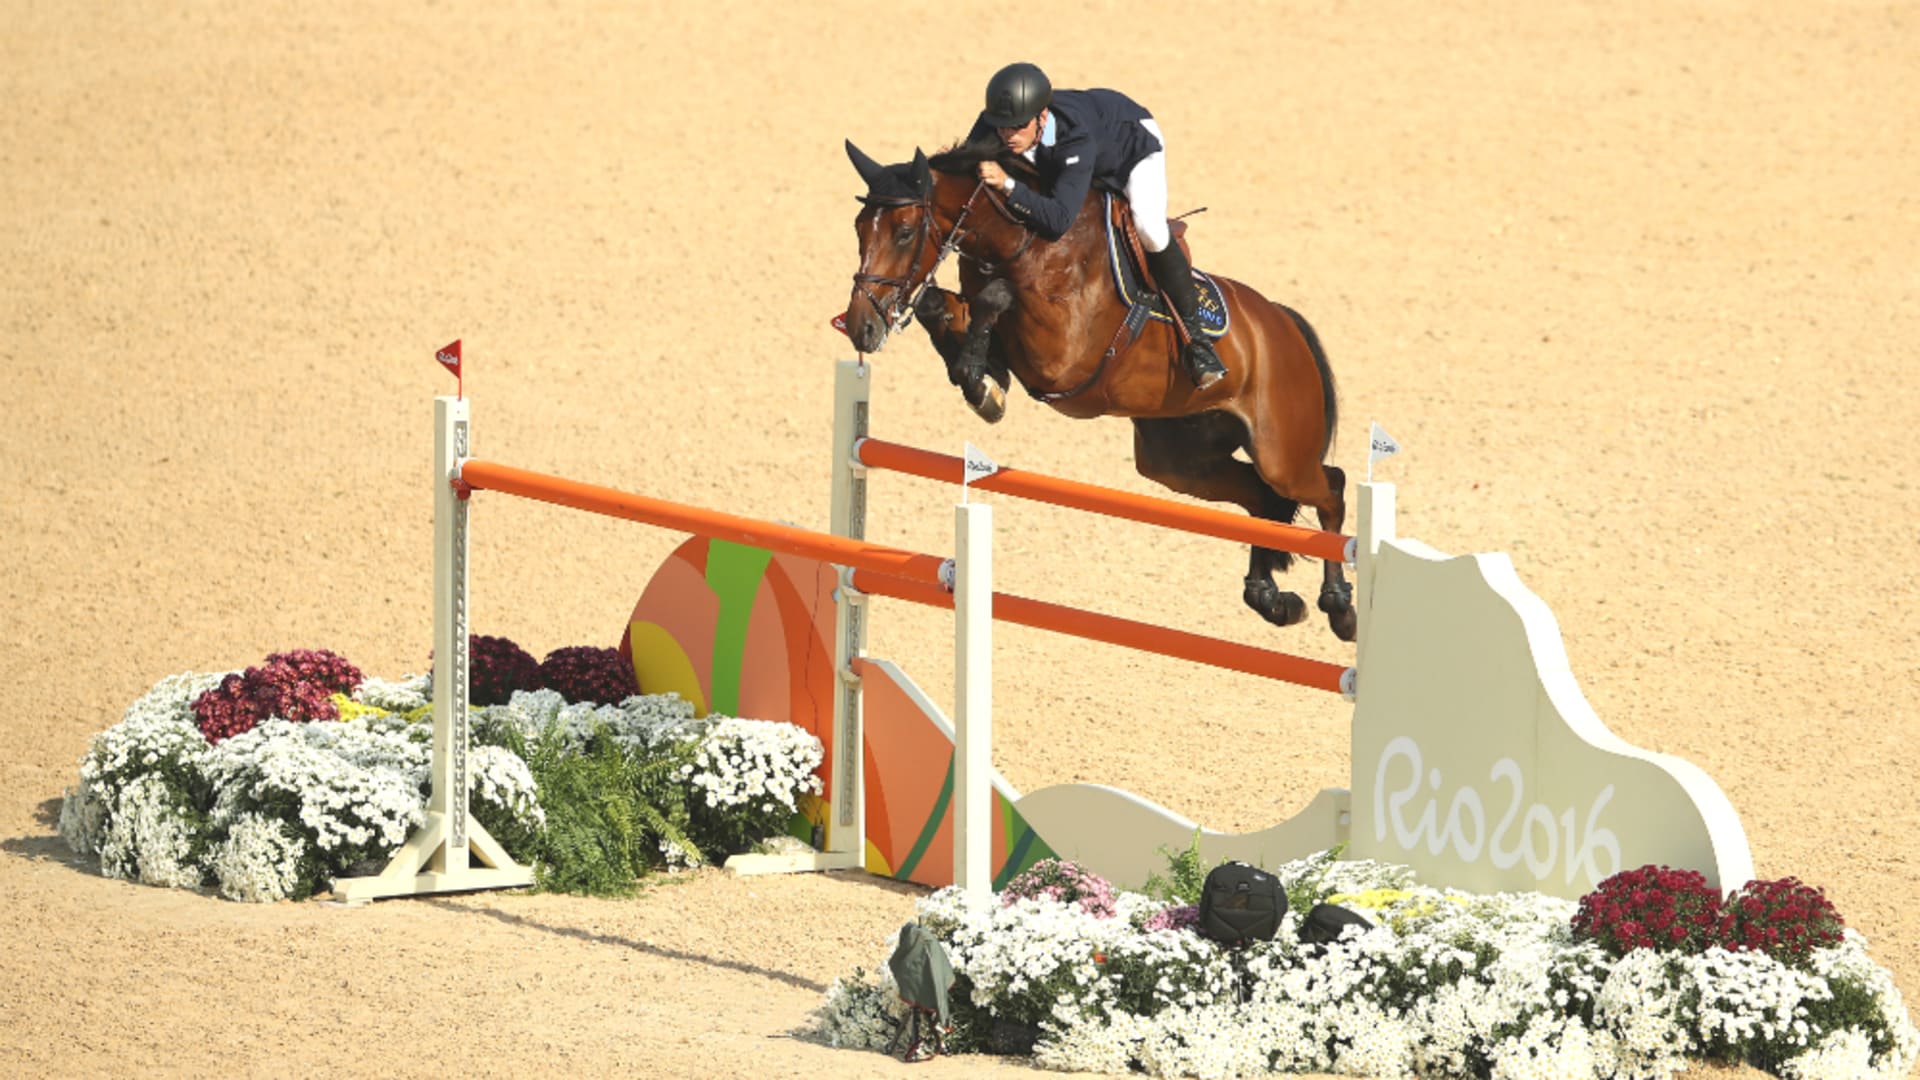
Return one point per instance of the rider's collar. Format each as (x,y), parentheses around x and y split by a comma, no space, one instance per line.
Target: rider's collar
(1047,132)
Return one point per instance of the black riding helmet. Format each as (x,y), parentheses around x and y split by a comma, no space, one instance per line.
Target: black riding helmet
(1015,95)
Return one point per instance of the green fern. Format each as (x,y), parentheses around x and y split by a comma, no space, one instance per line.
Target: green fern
(1186,875)
(609,811)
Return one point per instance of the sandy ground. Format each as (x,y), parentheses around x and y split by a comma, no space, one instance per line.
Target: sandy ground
(1633,283)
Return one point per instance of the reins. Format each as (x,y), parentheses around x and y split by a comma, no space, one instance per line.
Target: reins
(900,312)
(907,294)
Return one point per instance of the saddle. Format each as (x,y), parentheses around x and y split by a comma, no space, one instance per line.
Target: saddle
(1135,283)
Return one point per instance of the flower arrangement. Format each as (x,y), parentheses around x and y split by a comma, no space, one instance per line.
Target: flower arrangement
(297,686)
(1062,882)
(1453,985)
(1653,907)
(1784,919)
(747,777)
(588,673)
(592,795)
(496,668)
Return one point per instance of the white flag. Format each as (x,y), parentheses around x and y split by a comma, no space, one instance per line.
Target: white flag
(976,465)
(979,465)
(1380,444)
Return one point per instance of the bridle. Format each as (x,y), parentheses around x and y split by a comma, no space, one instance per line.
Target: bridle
(906,293)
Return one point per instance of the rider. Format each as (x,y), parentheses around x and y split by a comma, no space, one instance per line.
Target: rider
(1074,137)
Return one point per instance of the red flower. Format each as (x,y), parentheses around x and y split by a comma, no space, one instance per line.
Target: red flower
(1651,907)
(1784,918)
(296,686)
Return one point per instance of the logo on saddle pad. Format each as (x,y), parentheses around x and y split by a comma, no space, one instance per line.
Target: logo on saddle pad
(1134,292)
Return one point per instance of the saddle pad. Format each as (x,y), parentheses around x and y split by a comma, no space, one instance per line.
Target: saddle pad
(1134,293)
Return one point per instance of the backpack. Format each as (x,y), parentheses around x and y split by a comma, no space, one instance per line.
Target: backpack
(1241,903)
(923,974)
(1324,923)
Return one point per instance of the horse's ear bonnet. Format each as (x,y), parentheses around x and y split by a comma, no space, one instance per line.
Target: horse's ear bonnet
(892,183)
(922,174)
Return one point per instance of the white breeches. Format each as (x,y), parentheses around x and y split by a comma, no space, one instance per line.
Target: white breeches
(1147,194)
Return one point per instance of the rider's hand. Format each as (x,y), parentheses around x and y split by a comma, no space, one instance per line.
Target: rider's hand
(992,173)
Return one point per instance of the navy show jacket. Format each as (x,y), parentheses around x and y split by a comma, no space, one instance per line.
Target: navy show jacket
(1097,135)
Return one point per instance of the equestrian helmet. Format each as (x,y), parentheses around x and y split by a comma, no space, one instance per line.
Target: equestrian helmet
(1015,95)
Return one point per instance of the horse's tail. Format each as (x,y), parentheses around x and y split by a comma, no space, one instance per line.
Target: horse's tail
(1330,405)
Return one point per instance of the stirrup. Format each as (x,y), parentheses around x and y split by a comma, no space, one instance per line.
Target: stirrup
(1202,364)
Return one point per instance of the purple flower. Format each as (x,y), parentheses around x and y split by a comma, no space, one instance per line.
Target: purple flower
(583,673)
(1065,882)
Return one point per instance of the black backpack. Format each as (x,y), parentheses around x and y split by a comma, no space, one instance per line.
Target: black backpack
(1324,923)
(1241,903)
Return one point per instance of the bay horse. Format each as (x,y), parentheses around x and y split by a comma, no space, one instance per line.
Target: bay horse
(1049,314)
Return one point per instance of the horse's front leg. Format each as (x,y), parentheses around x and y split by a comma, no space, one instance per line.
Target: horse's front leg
(983,372)
(962,333)
(945,317)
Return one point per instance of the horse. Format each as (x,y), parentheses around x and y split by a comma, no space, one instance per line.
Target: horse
(1049,314)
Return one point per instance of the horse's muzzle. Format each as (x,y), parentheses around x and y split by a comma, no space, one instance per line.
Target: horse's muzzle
(868,332)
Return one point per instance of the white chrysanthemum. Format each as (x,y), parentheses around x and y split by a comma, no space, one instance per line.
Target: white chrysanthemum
(1849,960)
(739,762)
(259,861)
(501,778)
(861,1012)
(151,835)
(354,786)
(401,695)
(1750,996)
(1551,1048)
(642,722)
(678,857)
(1640,1005)
(83,814)
(158,728)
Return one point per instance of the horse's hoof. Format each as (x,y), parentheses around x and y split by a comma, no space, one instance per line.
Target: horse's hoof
(1337,602)
(1345,624)
(1278,608)
(987,399)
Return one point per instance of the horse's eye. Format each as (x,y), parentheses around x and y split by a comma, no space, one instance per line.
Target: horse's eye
(903,235)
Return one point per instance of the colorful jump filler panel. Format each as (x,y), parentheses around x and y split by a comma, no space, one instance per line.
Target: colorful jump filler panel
(744,632)
(1478,761)
(1475,757)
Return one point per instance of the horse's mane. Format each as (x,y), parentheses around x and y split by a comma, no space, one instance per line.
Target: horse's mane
(963,157)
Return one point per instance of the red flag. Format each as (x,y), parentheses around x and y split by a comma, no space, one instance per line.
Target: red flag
(839,323)
(449,357)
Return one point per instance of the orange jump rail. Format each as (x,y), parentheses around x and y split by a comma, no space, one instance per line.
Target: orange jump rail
(880,454)
(1126,633)
(895,562)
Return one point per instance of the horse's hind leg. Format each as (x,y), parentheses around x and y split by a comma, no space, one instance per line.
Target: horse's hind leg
(1273,604)
(1336,596)
(1194,456)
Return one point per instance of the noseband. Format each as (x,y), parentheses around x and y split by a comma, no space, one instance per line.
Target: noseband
(906,292)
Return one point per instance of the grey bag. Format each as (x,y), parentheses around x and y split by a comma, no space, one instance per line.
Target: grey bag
(924,975)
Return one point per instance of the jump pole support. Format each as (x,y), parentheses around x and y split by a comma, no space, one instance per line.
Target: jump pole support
(847,814)
(973,697)
(439,856)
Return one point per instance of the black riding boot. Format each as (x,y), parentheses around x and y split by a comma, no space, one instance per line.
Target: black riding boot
(1174,275)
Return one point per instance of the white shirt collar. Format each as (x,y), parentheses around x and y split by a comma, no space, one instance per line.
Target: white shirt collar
(1046,136)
